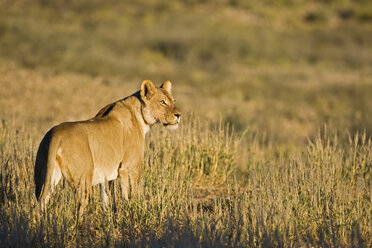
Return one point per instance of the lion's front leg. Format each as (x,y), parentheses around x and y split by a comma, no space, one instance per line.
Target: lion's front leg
(134,178)
(129,177)
(124,181)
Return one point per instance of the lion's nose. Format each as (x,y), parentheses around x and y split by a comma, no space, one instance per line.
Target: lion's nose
(178,115)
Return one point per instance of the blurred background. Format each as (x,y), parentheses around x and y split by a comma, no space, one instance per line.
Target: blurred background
(282,69)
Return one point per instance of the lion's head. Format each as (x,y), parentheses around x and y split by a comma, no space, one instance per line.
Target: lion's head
(159,104)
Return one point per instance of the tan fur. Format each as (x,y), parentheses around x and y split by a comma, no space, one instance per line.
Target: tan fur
(106,147)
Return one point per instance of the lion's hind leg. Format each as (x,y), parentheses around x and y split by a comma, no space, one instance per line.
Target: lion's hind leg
(82,195)
(104,191)
(104,197)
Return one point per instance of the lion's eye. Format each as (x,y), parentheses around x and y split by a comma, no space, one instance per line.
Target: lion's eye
(163,102)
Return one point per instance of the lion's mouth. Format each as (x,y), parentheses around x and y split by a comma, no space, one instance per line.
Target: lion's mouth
(171,125)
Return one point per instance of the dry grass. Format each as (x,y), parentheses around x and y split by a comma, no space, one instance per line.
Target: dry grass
(203,185)
(193,195)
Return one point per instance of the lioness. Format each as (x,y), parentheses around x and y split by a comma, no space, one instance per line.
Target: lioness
(108,146)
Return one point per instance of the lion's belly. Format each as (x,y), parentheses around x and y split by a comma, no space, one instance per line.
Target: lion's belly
(100,175)
(107,155)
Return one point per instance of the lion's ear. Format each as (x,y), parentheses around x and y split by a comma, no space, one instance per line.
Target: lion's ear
(167,85)
(147,89)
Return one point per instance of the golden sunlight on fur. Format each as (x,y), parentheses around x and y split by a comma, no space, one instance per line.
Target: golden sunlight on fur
(105,147)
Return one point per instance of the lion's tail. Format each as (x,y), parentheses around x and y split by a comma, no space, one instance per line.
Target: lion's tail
(44,165)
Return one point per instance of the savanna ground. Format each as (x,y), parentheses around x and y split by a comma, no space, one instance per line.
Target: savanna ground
(275,146)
